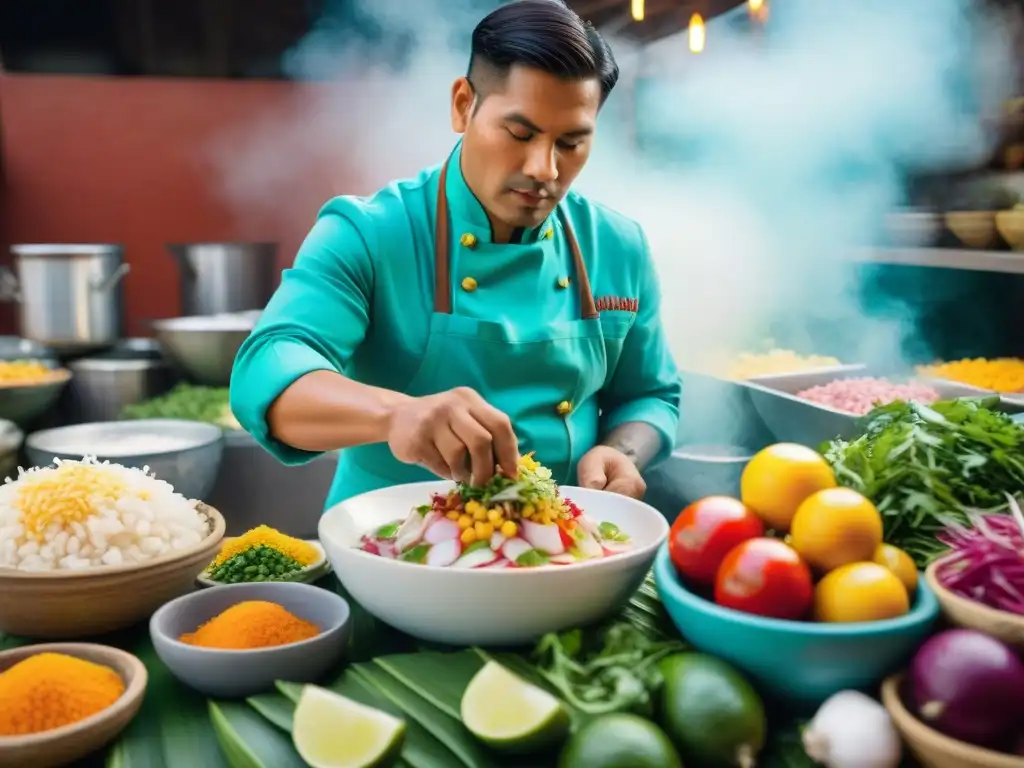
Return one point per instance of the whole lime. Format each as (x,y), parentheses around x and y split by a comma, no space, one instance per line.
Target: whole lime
(619,741)
(710,711)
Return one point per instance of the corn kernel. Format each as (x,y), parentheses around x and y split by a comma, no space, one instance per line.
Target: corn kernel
(528,510)
(468,536)
(465,521)
(495,515)
(473,505)
(480,514)
(483,530)
(453,515)
(509,529)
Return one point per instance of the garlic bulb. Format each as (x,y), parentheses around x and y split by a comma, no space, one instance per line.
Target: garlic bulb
(851,730)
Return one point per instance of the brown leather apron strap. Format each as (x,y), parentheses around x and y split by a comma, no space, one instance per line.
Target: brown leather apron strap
(588,307)
(442,257)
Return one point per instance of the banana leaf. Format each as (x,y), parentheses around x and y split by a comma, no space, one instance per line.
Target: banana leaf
(422,683)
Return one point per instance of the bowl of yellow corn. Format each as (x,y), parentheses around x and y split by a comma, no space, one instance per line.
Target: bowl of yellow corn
(1004,375)
(29,388)
(763,367)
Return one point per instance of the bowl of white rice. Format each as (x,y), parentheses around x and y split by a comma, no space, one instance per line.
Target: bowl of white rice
(88,547)
(186,454)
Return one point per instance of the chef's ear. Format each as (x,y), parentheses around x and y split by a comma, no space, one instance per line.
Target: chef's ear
(463,100)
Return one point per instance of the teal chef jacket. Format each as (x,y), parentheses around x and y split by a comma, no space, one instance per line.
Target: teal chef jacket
(360,300)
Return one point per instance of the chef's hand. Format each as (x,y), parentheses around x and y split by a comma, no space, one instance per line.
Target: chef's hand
(603,468)
(456,435)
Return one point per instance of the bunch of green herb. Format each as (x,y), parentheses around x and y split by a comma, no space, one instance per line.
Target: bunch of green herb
(186,401)
(532,484)
(926,467)
(260,563)
(615,670)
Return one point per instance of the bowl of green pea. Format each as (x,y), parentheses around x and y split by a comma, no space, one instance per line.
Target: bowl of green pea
(265,555)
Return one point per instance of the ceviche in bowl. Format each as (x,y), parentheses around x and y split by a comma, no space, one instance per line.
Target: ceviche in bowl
(520,522)
(440,561)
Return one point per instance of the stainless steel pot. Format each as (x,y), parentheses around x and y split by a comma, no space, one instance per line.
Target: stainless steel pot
(103,385)
(69,296)
(225,277)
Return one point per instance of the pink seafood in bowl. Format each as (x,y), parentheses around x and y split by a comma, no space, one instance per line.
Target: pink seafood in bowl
(860,395)
(509,523)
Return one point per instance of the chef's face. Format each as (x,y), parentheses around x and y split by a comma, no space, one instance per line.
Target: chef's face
(524,142)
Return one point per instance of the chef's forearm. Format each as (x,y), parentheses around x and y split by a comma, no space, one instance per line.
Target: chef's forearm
(325,411)
(637,440)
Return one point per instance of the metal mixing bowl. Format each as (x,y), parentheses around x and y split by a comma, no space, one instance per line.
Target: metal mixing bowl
(695,471)
(191,467)
(204,347)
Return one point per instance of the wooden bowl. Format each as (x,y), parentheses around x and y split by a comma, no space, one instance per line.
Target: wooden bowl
(1003,625)
(64,745)
(931,748)
(74,604)
(975,229)
(1010,225)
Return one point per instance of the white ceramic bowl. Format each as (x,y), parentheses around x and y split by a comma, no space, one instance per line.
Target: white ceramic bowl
(487,606)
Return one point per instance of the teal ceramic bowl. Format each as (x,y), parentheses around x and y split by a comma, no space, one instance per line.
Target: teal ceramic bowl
(798,663)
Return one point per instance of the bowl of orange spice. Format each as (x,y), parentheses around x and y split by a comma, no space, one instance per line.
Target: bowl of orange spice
(237,640)
(62,701)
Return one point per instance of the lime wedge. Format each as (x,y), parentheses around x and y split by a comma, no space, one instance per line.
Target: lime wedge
(508,713)
(331,731)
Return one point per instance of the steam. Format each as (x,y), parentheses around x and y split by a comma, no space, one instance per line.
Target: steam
(776,155)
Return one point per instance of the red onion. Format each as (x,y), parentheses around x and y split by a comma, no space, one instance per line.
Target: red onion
(969,686)
(987,562)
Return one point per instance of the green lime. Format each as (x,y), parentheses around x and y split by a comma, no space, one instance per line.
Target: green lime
(619,741)
(508,713)
(711,712)
(331,731)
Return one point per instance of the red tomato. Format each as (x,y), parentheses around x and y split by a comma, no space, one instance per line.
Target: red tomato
(704,533)
(765,577)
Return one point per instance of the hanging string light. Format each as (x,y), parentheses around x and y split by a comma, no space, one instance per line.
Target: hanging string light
(758,10)
(696,33)
(637,9)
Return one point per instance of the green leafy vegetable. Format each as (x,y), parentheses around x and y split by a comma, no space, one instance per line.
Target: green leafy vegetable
(533,483)
(186,401)
(926,467)
(616,671)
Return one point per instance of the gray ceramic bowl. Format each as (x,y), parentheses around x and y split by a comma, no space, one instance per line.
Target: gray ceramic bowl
(236,674)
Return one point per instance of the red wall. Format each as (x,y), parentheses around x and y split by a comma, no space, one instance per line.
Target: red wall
(126,160)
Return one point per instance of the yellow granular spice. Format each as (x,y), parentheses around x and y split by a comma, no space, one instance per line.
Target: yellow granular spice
(49,690)
(249,625)
(301,551)
(21,372)
(1002,374)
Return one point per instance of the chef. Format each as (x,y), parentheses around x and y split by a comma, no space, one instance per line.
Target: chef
(480,310)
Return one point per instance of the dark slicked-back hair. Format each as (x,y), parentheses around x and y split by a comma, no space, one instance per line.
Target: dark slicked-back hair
(542,34)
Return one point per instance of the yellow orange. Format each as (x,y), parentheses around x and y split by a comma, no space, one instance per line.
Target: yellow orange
(834,527)
(860,592)
(900,563)
(778,478)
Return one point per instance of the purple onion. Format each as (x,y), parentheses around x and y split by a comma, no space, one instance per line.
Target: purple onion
(968,686)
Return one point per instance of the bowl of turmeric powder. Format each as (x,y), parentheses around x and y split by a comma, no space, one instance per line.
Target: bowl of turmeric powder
(237,640)
(62,701)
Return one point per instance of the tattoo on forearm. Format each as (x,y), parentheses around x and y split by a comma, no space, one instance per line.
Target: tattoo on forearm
(637,440)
